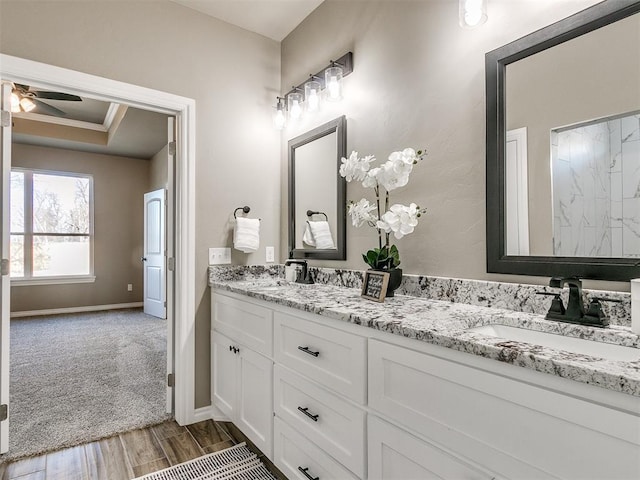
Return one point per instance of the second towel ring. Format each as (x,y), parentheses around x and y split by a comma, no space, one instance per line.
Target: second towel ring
(311,213)
(245,209)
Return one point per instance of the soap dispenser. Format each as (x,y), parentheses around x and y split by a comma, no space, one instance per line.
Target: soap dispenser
(635,305)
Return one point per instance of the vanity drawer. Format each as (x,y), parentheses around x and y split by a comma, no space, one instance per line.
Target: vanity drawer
(244,322)
(293,452)
(332,423)
(331,357)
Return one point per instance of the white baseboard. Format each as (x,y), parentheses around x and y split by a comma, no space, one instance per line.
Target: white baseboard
(90,308)
(206,413)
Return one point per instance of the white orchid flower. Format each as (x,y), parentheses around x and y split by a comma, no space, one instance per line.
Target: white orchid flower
(361,212)
(354,168)
(400,219)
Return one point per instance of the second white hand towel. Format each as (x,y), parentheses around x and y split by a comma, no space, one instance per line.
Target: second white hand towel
(246,235)
(321,234)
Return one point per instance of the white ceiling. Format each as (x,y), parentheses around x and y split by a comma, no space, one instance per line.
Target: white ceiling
(274,19)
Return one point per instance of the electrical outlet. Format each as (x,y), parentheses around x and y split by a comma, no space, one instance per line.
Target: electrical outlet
(270,254)
(129,287)
(219,256)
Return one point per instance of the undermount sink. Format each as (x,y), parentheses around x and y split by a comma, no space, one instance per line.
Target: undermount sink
(608,351)
(281,286)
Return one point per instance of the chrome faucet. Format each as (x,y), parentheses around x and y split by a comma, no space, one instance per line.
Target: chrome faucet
(303,276)
(575,310)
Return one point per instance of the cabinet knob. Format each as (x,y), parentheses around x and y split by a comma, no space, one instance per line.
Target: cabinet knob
(306,473)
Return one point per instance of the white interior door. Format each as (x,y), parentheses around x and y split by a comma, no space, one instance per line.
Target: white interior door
(517,193)
(5,174)
(153,257)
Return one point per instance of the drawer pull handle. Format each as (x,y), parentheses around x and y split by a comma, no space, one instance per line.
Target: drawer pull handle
(306,350)
(306,474)
(305,410)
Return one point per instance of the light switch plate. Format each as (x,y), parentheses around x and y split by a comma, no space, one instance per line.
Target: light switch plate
(219,256)
(270,254)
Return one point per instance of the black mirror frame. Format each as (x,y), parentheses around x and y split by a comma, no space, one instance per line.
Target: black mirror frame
(339,126)
(622,269)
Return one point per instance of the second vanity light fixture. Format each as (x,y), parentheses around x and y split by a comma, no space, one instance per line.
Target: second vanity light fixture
(472,13)
(308,96)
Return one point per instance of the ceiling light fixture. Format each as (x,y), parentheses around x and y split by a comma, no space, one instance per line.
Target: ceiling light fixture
(472,13)
(15,103)
(308,95)
(27,104)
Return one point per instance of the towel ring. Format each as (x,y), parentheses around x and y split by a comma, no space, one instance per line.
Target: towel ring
(245,209)
(311,213)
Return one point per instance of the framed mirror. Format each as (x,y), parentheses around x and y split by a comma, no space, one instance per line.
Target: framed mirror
(317,193)
(563,148)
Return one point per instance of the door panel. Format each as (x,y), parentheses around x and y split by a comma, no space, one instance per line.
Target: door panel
(224,387)
(5,174)
(170,255)
(154,265)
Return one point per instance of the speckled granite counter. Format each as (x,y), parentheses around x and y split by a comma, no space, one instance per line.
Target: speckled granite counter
(445,323)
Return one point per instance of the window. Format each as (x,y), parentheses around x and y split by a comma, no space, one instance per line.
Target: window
(51,226)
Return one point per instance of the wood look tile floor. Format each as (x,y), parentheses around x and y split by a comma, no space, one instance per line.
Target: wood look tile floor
(127,455)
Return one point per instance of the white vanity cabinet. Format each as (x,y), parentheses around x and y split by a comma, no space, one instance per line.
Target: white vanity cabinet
(515,428)
(320,386)
(357,403)
(242,378)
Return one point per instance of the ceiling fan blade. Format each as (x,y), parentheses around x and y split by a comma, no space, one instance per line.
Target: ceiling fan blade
(47,109)
(57,96)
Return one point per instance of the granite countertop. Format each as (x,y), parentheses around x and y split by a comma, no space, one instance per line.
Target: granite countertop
(445,324)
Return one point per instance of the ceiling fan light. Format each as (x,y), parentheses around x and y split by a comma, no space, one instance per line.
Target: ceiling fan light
(15,103)
(27,104)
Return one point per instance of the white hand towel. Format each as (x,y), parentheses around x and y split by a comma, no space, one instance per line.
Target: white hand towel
(321,234)
(246,235)
(307,237)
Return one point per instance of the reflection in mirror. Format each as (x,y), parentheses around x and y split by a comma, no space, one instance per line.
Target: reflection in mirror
(595,168)
(563,147)
(317,193)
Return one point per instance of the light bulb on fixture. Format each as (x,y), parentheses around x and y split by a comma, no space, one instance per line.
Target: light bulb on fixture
(312,94)
(279,119)
(27,104)
(472,13)
(15,103)
(333,82)
(294,104)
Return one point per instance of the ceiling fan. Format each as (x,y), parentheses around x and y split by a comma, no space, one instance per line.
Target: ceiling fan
(23,99)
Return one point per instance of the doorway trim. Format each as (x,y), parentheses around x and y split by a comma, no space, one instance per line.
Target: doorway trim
(91,86)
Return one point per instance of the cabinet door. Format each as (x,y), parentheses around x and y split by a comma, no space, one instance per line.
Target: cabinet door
(224,384)
(255,399)
(397,455)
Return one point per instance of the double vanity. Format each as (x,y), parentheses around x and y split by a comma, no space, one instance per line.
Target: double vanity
(333,386)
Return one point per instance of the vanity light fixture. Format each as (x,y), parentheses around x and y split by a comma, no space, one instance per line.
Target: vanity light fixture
(279,118)
(333,80)
(308,94)
(472,13)
(312,90)
(294,104)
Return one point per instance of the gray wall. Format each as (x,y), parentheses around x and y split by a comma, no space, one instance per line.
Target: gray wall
(418,81)
(232,74)
(119,184)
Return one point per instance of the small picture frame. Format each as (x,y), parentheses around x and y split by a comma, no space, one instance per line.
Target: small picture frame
(374,285)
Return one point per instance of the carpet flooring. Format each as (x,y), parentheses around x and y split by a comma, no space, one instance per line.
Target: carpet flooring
(81,377)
